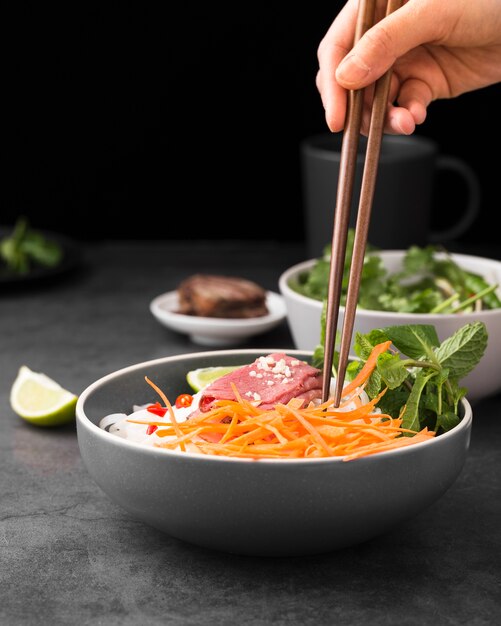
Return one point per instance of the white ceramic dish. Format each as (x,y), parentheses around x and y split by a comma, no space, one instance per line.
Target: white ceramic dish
(210,331)
(259,508)
(303,316)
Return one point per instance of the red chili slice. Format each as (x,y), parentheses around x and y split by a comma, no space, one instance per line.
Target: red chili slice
(184,400)
(151,429)
(157,409)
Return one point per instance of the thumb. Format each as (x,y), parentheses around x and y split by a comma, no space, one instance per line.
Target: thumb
(377,50)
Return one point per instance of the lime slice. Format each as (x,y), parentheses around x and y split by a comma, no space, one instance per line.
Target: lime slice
(203,376)
(40,400)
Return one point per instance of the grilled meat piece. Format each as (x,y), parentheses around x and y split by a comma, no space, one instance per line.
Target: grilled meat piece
(209,295)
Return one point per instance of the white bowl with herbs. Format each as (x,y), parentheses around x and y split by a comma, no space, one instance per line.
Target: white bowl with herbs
(405,287)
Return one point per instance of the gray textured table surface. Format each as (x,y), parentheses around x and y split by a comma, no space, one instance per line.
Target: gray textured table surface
(70,556)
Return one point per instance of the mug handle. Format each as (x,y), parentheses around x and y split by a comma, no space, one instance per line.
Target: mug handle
(472,208)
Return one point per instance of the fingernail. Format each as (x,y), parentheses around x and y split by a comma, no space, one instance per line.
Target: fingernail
(352,69)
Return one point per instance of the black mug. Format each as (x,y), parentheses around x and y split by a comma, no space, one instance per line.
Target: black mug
(403,201)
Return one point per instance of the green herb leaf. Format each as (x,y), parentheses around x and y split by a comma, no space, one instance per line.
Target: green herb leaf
(421,381)
(430,280)
(411,417)
(416,341)
(392,370)
(476,283)
(26,247)
(363,344)
(448,420)
(317,359)
(41,250)
(461,352)
(392,403)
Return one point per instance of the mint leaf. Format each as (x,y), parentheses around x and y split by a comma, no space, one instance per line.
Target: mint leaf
(352,370)
(461,352)
(448,420)
(421,381)
(323,322)
(392,370)
(411,417)
(373,386)
(392,401)
(317,359)
(364,344)
(415,341)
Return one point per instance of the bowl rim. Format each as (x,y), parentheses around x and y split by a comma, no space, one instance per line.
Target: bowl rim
(83,421)
(293,270)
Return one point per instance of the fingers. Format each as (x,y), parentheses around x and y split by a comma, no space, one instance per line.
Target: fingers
(332,49)
(334,97)
(342,68)
(415,95)
(399,121)
(396,34)
(412,97)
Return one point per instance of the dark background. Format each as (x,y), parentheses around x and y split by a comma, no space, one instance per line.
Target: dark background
(127,121)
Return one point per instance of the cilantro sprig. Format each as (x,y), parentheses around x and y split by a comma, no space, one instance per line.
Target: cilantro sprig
(421,376)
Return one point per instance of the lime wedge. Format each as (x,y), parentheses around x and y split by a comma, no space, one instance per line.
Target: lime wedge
(203,376)
(40,400)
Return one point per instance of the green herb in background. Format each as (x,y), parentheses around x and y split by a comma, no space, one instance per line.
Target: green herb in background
(429,282)
(26,248)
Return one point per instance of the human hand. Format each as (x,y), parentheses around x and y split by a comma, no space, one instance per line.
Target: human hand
(437,49)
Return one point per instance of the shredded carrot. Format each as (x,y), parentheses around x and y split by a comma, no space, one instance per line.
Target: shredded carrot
(169,407)
(239,428)
(367,368)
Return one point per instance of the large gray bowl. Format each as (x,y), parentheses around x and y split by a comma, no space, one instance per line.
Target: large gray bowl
(259,508)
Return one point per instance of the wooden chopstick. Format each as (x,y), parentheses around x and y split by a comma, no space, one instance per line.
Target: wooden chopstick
(347,169)
(347,166)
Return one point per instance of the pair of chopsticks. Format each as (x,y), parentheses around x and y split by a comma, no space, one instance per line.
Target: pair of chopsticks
(348,161)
